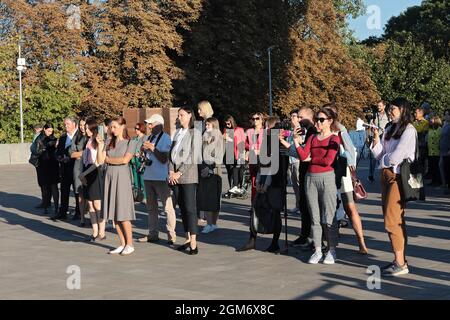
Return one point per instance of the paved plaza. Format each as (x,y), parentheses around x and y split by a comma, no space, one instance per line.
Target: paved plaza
(35,254)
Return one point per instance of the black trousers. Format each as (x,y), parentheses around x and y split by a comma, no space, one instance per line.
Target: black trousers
(40,186)
(303,206)
(67,181)
(187,201)
(235,174)
(49,191)
(433,165)
(447,169)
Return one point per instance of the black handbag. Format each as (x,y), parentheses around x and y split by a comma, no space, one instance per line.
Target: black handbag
(340,168)
(266,211)
(34,160)
(411,178)
(138,194)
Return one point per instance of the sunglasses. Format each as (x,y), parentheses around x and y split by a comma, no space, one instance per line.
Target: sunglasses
(136,128)
(228,123)
(321,120)
(256,118)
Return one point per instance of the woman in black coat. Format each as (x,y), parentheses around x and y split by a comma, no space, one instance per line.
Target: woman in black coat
(48,171)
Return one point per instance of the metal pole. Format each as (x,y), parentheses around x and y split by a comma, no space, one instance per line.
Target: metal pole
(20,101)
(270,81)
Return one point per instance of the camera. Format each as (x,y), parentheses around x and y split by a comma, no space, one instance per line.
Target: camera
(370,113)
(144,163)
(285,125)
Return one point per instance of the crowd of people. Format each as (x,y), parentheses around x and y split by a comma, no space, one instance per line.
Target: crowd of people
(109,171)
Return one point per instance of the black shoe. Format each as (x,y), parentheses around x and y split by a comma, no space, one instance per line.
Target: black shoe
(371,179)
(59,217)
(171,244)
(40,206)
(273,248)
(300,242)
(82,224)
(92,239)
(153,240)
(184,246)
(76,217)
(193,251)
(249,246)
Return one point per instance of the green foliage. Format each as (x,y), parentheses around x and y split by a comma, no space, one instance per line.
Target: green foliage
(427,24)
(411,71)
(50,101)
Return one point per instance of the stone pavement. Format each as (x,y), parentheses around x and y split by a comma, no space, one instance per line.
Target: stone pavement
(35,253)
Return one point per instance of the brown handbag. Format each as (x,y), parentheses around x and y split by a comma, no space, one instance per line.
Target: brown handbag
(359,192)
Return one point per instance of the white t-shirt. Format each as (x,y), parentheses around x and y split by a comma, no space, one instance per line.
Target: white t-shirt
(158,171)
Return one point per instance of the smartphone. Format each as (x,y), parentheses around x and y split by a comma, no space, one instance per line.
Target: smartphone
(101,131)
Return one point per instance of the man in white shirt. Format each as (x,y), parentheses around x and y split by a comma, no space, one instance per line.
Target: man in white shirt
(157,149)
(63,154)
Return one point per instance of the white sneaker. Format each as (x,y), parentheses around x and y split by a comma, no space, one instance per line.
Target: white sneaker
(207,229)
(128,250)
(214,227)
(330,257)
(235,189)
(316,257)
(117,250)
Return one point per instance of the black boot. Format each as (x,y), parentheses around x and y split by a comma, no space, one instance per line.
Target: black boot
(273,248)
(249,246)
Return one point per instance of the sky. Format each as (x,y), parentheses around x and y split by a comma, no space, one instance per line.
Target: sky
(380,11)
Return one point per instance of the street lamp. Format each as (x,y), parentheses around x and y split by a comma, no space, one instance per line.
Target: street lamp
(269,50)
(20,67)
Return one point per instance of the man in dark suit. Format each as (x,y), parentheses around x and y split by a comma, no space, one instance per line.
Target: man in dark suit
(66,165)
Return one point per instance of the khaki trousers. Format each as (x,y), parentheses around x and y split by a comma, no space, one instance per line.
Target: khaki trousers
(155,190)
(393,209)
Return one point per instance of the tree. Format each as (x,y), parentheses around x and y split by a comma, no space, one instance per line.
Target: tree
(411,71)
(427,24)
(49,101)
(225,55)
(321,69)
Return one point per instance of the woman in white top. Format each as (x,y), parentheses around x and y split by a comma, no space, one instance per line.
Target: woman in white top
(398,143)
(90,177)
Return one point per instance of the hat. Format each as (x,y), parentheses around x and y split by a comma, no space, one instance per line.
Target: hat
(155,118)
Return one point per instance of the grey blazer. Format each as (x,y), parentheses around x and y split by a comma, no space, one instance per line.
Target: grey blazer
(187,156)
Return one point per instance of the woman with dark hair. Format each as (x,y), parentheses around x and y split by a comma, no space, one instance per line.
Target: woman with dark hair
(118,203)
(320,185)
(135,163)
(48,169)
(234,163)
(269,187)
(346,189)
(398,144)
(90,178)
(185,155)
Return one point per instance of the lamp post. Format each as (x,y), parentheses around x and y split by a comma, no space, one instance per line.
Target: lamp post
(269,50)
(20,67)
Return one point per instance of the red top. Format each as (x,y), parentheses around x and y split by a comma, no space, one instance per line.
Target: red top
(323,153)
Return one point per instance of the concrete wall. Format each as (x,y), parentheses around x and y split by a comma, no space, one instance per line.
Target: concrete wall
(14,153)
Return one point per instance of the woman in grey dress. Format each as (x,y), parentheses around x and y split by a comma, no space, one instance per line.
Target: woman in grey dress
(118,203)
